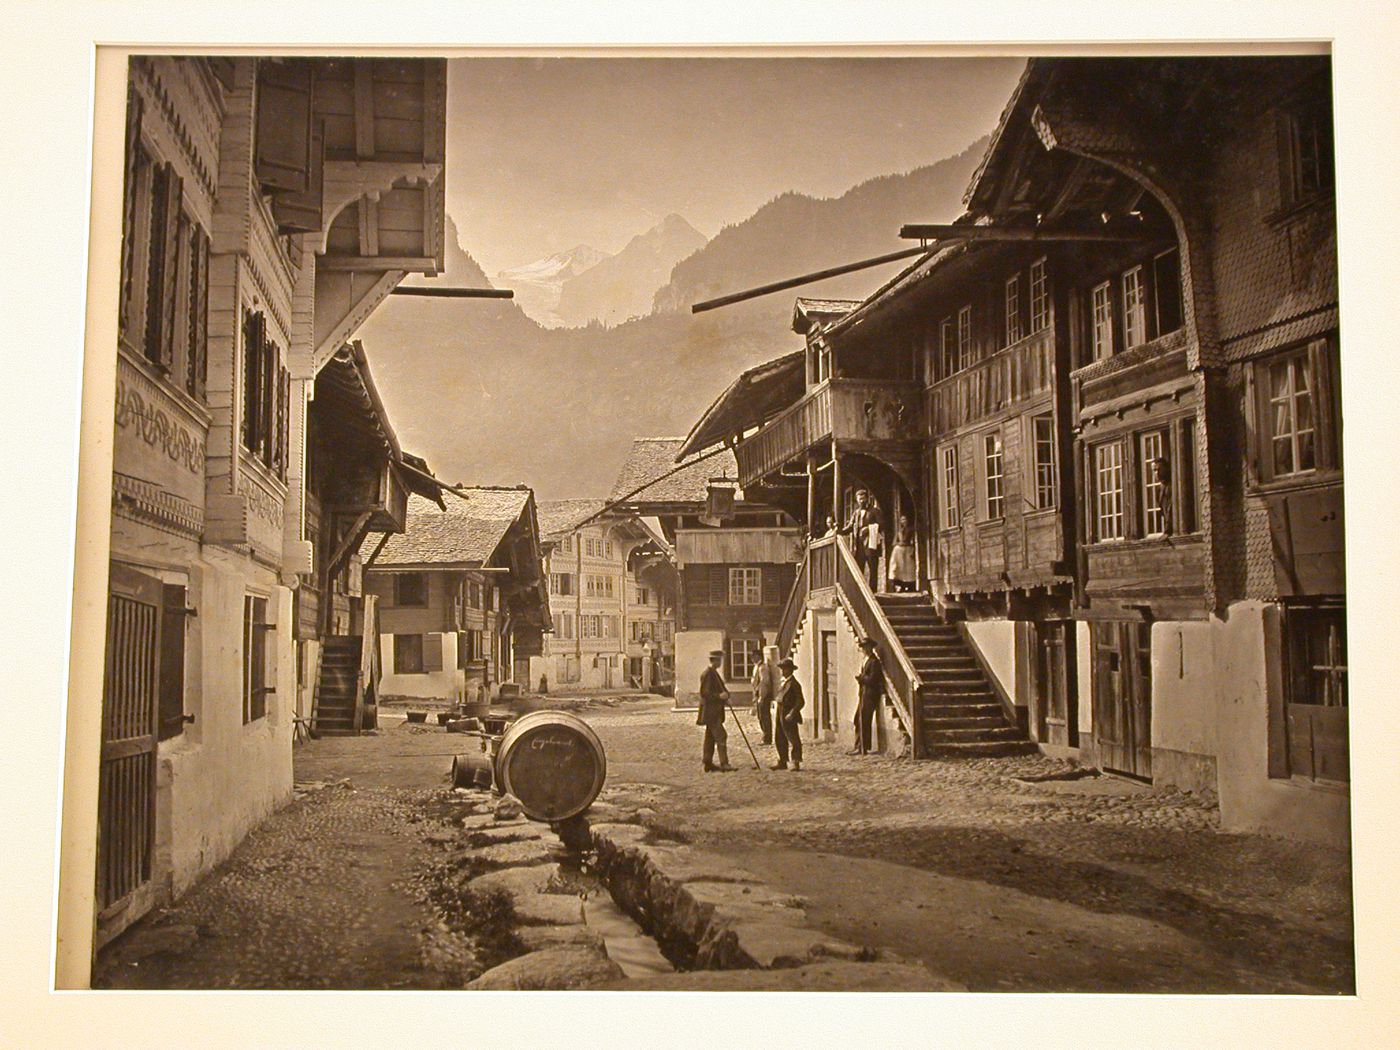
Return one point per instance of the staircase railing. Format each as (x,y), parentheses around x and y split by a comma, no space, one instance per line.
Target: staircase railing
(793,610)
(861,606)
(316,683)
(822,555)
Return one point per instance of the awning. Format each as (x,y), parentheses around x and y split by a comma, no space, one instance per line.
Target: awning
(758,395)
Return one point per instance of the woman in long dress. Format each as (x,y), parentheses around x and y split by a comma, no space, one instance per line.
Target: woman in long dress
(904,573)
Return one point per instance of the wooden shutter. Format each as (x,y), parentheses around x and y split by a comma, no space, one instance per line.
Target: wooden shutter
(197,373)
(283,451)
(719,584)
(267,411)
(163,272)
(252,355)
(432,652)
(772,586)
(129,201)
(172,661)
(300,212)
(284,129)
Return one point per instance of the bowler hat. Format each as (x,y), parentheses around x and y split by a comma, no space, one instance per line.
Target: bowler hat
(717,654)
(868,643)
(787,665)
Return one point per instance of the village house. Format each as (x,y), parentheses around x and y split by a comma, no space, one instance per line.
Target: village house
(269,206)
(1107,400)
(735,559)
(461,595)
(609,601)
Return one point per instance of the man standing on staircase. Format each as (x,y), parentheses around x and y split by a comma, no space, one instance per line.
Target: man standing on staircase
(863,527)
(714,701)
(872,688)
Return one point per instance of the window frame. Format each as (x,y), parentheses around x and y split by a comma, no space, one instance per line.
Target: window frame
(400,579)
(1101,341)
(948,347)
(993,502)
(1045,473)
(1133,285)
(965,337)
(1322,370)
(951,517)
(1011,302)
(408,650)
(749,580)
(1040,316)
(255,657)
(1150,482)
(1299,703)
(751,652)
(1112,501)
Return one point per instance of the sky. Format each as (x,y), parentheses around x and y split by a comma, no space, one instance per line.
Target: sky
(550,153)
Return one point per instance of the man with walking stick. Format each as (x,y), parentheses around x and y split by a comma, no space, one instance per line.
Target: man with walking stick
(714,700)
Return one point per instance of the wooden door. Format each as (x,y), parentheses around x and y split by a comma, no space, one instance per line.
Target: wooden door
(1052,682)
(827,703)
(130,706)
(1123,696)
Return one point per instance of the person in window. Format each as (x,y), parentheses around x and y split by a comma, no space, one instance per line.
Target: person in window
(765,687)
(872,687)
(903,572)
(830,528)
(714,699)
(788,730)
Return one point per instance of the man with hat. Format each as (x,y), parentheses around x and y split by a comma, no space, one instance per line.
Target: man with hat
(872,688)
(765,687)
(713,699)
(787,732)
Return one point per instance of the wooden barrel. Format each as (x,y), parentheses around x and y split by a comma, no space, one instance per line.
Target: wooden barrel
(553,763)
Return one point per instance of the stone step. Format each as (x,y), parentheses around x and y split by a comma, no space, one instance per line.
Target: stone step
(941,724)
(974,735)
(981,749)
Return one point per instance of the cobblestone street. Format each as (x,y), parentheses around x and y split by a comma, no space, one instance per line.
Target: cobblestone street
(992,880)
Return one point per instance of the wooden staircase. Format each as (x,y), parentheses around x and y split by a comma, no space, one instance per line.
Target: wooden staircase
(333,712)
(958,710)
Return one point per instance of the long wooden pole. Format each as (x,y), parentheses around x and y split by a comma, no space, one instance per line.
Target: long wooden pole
(930,231)
(455,293)
(806,278)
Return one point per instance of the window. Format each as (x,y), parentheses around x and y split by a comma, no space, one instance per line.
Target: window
(599,586)
(991,453)
(1166,287)
(948,477)
(567,544)
(744,655)
(1154,483)
(561,582)
(255,687)
(1108,491)
(608,549)
(265,390)
(643,596)
(745,586)
(1134,309)
(164,301)
(1040,297)
(1013,310)
(1305,152)
(408,654)
(965,337)
(411,588)
(1309,733)
(564,625)
(1101,332)
(1186,476)
(821,358)
(1293,449)
(947,347)
(1043,452)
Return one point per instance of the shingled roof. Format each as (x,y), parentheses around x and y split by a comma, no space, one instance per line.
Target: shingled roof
(652,457)
(466,534)
(560,516)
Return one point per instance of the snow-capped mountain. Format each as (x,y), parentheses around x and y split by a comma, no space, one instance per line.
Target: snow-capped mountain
(623,285)
(538,284)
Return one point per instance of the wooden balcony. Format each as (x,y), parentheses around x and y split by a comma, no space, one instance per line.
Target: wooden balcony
(1020,372)
(859,413)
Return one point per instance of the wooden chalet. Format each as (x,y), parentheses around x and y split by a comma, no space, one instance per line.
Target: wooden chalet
(269,205)
(1107,398)
(461,596)
(735,558)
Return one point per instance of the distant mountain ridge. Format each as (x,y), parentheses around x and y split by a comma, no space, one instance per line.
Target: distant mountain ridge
(623,286)
(489,396)
(538,285)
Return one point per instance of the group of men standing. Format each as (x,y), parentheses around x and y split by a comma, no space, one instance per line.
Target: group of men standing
(778,702)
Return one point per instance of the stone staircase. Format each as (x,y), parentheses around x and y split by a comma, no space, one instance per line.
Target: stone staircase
(958,711)
(337,686)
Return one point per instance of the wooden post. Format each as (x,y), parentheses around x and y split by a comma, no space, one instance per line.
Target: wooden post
(812,529)
(837,511)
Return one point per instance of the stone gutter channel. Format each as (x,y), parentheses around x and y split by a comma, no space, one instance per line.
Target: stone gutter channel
(604,901)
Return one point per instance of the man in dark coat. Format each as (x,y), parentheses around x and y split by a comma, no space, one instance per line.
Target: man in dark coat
(863,515)
(872,688)
(714,698)
(787,732)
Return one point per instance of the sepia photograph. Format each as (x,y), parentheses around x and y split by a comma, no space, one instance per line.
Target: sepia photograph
(709,519)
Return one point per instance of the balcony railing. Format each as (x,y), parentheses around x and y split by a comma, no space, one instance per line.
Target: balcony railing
(852,410)
(1017,373)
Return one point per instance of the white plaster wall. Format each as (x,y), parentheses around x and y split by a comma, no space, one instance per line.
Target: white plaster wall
(693,650)
(1183,686)
(447,684)
(1247,669)
(1084,662)
(996,641)
(235,775)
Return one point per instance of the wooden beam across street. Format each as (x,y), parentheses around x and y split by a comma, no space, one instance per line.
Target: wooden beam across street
(456,293)
(925,231)
(806,278)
